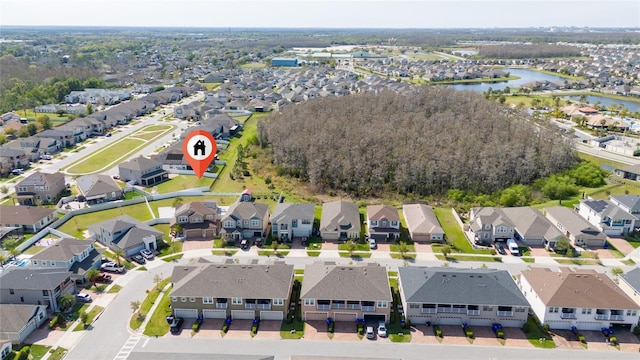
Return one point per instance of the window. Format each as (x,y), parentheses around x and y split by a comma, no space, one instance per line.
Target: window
(382,304)
(553,310)
(631,312)
(278,302)
(485,235)
(294,223)
(207,300)
(208,217)
(246,221)
(174,299)
(34,262)
(255,222)
(519,309)
(228,224)
(113,194)
(11,292)
(183,219)
(309,302)
(487,308)
(183,299)
(192,299)
(414,306)
(46,188)
(236,301)
(501,229)
(374,222)
(306,222)
(45,292)
(394,223)
(586,311)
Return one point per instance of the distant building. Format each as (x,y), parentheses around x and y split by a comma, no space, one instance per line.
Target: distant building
(281,61)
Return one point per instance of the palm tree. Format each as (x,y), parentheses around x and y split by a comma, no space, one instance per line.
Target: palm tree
(3,258)
(66,301)
(445,250)
(351,246)
(135,305)
(119,253)
(92,275)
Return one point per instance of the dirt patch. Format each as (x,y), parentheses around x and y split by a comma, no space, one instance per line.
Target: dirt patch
(239,329)
(423,334)
(189,245)
(269,329)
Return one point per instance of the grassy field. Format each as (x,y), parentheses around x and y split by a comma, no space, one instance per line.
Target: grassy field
(253,65)
(535,332)
(478,80)
(181,182)
(79,223)
(157,325)
(136,320)
(454,233)
(211,86)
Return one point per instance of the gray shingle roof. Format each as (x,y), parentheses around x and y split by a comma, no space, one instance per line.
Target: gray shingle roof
(379,212)
(573,222)
(289,211)
(421,219)
(139,164)
(91,185)
(340,215)
(529,222)
(24,215)
(630,201)
(608,209)
(233,280)
(63,250)
(632,278)
(246,210)
(32,279)
(135,230)
(345,282)
(453,285)
(13,317)
(41,179)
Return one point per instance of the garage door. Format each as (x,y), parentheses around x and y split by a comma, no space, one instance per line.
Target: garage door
(243,314)
(374,318)
(186,313)
(315,315)
(214,314)
(271,315)
(345,317)
(28,330)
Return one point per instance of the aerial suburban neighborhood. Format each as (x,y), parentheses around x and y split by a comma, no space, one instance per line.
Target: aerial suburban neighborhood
(373,195)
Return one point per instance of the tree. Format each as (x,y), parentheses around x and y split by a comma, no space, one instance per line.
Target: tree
(119,253)
(135,305)
(562,245)
(350,245)
(84,318)
(93,275)
(157,279)
(275,246)
(89,108)
(445,250)
(403,248)
(12,247)
(32,128)
(616,271)
(4,190)
(23,132)
(43,122)
(66,301)
(3,259)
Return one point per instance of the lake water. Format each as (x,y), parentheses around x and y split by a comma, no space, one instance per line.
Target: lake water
(592,99)
(524,75)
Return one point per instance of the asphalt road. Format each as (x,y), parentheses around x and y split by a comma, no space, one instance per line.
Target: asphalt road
(110,336)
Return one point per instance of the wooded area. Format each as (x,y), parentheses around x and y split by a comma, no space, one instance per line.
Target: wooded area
(423,143)
(528,51)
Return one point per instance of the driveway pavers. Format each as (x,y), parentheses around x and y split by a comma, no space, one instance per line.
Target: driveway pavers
(239,329)
(423,334)
(268,329)
(211,329)
(453,335)
(316,330)
(483,335)
(345,331)
(516,338)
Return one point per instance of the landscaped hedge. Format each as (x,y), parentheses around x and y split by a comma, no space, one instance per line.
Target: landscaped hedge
(437,331)
(23,354)
(468,332)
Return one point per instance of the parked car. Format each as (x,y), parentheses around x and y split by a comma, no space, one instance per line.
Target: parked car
(382,329)
(372,244)
(369,333)
(104,278)
(116,177)
(86,298)
(244,244)
(139,259)
(112,267)
(108,135)
(146,254)
(176,325)
(500,249)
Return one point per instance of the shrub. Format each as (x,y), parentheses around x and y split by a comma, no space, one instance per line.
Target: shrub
(360,328)
(546,327)
(331,327)
(500,334)
(53,323)
(582,339)
(613,340)
(225,328)
(437,331)
(468,332)
(636,331)
(23,354)
(196,326)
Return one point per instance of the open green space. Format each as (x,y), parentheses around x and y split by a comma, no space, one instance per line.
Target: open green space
(79,223)
(211,86)
(537,335)
(157,325)
(145,306)
(181,182)
(454,234)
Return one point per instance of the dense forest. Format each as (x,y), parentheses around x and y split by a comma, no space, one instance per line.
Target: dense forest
(527,51)
(422,143)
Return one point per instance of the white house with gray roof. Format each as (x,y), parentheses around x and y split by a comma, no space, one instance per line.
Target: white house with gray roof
(290,221)
(452,296)
(73,255)
(578,230)
(127,234)
(28,219)
(340,220)
(628,203)
(19,320)
(383,222)
(345,292)
(35,286)
(607,216)
(629,282)
(236,291)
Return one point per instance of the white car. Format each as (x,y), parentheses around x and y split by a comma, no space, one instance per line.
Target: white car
(369,333)
(146,254)
(112,267)
(83,298)
(372,244)
(382,329)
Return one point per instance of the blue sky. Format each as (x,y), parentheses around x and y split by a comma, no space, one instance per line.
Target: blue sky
(324,14)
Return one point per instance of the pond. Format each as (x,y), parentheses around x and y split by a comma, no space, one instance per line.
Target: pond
(606,102)
(524,75)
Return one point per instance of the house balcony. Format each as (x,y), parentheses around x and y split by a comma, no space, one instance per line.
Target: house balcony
(338,306)
(353,306)
(250,306)
(444,310)
(323,307)
(505,313)
(473,312)
(369,308)
(458,311)
(429,311)
(601,317)
(616,317)
(263,306)
(221,305)
(568,316)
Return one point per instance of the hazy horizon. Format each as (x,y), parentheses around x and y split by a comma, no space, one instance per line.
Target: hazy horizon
(329,14)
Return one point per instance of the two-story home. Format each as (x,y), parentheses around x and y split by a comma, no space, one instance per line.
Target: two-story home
(28,219)
(236,291)
(143,171)
(290,221)
(451,296)
(20,285)
(245,220)
(19,320)
(196,220)
(340,220)
(13,158)
(607,216)
(629,282)
(383,222)
(127,234)
(578,230)
(583,299)
(73,255)
(41,188)
(628,203)
(345,292)
(525,224)
(422,223)
(98,188)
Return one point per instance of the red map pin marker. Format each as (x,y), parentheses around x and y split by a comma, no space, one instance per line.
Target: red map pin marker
(199,147)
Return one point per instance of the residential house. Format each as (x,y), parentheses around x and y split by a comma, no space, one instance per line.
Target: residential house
(245,220)
(34,147)
(608,217)
(172,158)
(258,105)
(98,188)
(422,223)
(628,203)
(383,222)
(40,187)
(19,320)
(73,255)
(13,159)
(30,286)
(340,220)
(583,299)
(578,230)
(28,219)
(66,137)
(629,282)
(345,292)
(524,224)
(5,349)
(234,291)
(451,296)
(127,234)
(196,220)
(290,221)
(143,171)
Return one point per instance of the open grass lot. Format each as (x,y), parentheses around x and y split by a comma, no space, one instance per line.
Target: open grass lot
(454,233)
(118,150)
(253,65)
(534,332)
(146,304)
(157,325)
(79,223)
(31,115)
(181,182)
(211,86)
(92,315)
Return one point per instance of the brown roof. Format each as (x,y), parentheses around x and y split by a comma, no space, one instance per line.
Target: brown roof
(379,212)
(579,289)
(23,215)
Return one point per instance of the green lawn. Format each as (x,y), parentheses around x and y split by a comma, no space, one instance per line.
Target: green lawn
(37,351)
(535,332)
(92,315)
(355,255)
(359,247)
(34,250)
(181,182)
(454,233)
(293,330)
(136,320)
(173,258)
(211,86)
(403,257)
(224,252)
(79,223)
(157,325)
(114,289)
(396,248)
(468,258)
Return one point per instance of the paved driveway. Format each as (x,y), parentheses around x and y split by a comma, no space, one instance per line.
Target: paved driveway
(345,331)
(197,245)
(423,334)
(211,329)
(269,329)
(315,330)
(621,244)
(239,329)
(515,337)
(483,335)
(453,335)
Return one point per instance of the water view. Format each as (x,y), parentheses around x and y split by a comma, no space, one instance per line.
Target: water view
(593,99)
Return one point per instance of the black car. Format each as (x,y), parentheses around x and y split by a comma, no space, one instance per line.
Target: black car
(501,249)
(176,325)
(139,259)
